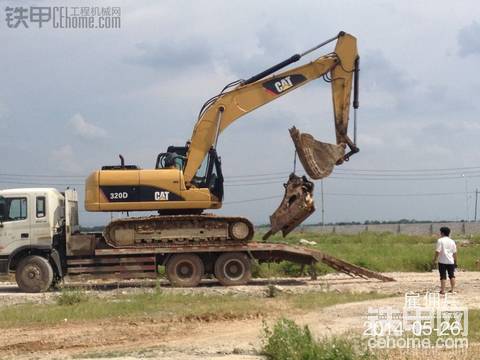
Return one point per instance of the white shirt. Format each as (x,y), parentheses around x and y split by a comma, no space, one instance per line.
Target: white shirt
(446,247)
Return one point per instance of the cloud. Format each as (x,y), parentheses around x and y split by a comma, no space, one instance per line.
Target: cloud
(64,158)
(469,40)
(84,129)
(170,55)
(379,74)
(389,88)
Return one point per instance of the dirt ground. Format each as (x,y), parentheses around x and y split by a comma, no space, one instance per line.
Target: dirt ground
(232,340)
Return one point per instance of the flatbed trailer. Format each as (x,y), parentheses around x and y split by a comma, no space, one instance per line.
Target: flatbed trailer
(108,262)
(41,242)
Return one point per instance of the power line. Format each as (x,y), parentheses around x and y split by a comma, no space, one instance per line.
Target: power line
(42,176)
(395,194)
(402,179)
(469,173)
(254,183)
(271,178)
(39,183)
(351,171)
(356,195)
(356,178)
(252,200)
(414,170)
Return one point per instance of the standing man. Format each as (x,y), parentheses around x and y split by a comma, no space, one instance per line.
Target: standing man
(446,255)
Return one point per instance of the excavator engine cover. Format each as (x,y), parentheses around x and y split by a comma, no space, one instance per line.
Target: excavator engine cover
(296,206)
(318,158)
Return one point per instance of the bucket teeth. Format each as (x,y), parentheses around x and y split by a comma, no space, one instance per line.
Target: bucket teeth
(318,158)
(296,206)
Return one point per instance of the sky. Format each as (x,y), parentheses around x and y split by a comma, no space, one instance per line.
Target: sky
(71,100)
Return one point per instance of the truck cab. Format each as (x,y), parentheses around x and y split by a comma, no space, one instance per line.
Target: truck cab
(34,226)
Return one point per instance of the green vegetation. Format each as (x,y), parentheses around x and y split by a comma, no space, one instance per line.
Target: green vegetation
(474,325)
(77,305)
(376,251)
(315,300)
(288,341)
(71,297)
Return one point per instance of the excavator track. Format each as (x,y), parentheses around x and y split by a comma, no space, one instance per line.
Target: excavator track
(161,230)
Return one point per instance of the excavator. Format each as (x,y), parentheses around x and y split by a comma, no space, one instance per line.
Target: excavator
(188,179)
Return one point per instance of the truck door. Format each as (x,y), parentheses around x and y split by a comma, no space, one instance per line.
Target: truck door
(40,232)
(15,229)
(71,213)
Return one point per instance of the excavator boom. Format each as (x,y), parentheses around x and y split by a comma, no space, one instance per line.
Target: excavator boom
(222,110)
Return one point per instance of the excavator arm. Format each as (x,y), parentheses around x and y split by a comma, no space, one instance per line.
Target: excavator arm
(338,68)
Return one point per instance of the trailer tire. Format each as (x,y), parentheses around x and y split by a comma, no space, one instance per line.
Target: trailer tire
(185,270)
(34,274)
(233,269)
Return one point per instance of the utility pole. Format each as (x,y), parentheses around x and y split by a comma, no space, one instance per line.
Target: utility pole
(323,204)
(466,198)
(476,202)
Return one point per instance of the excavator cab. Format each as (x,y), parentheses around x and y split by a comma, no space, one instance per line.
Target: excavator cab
(209,174)
(175,157)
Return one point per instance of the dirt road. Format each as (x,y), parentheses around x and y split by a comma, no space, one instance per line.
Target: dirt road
(239,339)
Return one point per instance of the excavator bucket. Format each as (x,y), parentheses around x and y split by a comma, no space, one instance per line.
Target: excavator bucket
(296,206)
(318,158)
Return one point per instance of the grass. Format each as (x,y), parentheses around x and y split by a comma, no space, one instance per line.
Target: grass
(156,305)
(474,325)
(78,306)
(288,341)
(315,300)
(71,297)
(382,252)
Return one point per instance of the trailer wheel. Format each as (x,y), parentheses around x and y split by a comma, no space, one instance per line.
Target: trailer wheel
(185,270)
(34,274)
(233,269)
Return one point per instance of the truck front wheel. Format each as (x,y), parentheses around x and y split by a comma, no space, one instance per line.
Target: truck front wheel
(34,274)
(233,269)
(185,270)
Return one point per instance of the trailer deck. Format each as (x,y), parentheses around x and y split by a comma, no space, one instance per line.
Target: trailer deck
(143,261)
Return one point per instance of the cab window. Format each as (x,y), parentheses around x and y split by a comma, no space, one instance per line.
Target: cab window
(40,206)
(15,209)
(200,178)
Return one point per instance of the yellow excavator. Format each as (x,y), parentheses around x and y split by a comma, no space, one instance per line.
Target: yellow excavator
(188,179)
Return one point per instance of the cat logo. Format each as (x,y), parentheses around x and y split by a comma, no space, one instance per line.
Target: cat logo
(283,84)
(161,195)
(279,85)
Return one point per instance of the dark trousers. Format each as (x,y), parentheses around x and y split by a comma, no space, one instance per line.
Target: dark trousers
(444,268)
